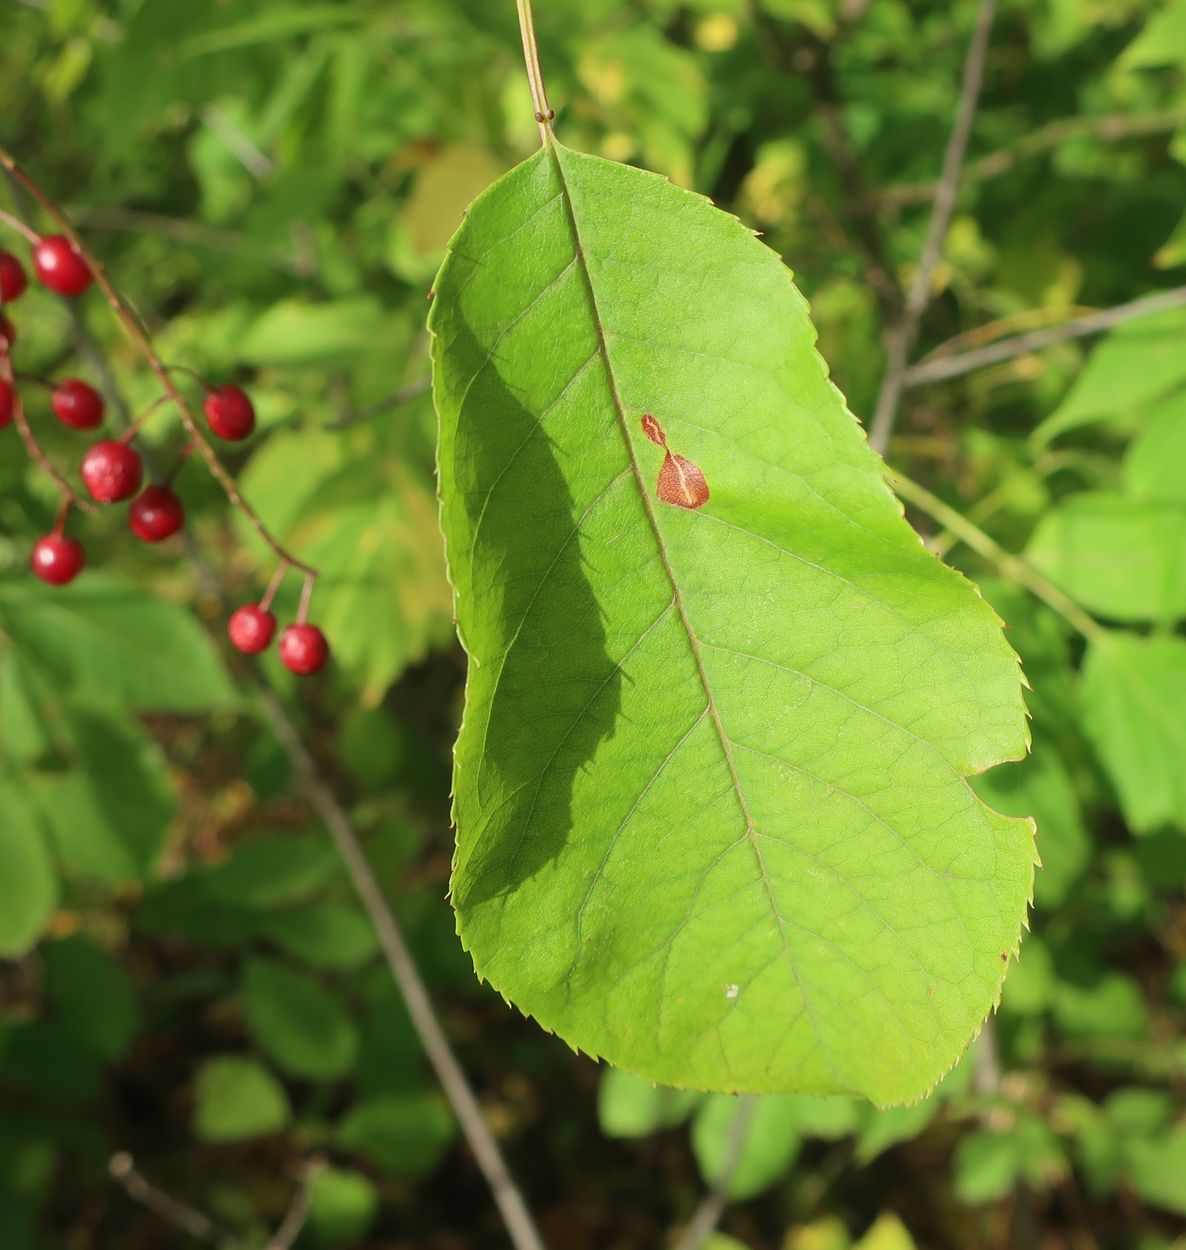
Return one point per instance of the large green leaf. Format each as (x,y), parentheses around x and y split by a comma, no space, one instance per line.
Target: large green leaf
(712,812)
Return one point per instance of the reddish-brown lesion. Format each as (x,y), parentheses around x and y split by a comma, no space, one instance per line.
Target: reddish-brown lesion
(680,481)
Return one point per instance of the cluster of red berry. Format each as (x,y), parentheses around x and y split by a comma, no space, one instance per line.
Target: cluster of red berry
(112,470)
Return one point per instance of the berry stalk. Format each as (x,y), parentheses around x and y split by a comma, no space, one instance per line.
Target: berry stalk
(143,343)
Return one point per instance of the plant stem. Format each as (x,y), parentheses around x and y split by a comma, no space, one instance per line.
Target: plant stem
(901,340)
(140,339)
(1022,344)
(20,419)
(708,1214)
(535,75)
(516,1215)
(1012,566)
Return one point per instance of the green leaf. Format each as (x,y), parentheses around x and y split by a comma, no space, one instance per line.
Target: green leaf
(405,1134)
(236,1099)
(28,882)
(1134,690)
(109,815)
(770,1142)
(1132,367)
(304,1027)
(629,1106)
(1153,466)
(92,995)
(1120,558)
(887,1233)
(342,1207)
(109,645)
(1162,40)
(1156,1168)
(710,794)
(327,935)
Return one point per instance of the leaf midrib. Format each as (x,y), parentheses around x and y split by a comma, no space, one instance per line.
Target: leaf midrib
(725,741)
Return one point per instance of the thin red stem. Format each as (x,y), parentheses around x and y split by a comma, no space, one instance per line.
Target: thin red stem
(306,596)
(32,446)
(134,429)
(141,341)
(273,586)
(178,464)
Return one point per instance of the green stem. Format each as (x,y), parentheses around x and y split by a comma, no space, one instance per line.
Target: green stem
(535,75)
(1011,566)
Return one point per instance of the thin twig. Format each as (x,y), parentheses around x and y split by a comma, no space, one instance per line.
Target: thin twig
(712,1207)
(1013,567)
(858,203)
(535,75)
(516,1216)
(901,339)
(936,370)
(402,396)
(1111,126)
(189,1220)
(289,1228)
(507,1196)
(190,233)
(140,339)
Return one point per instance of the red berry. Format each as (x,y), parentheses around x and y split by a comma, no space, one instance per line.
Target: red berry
(7,331)
(12,277)
(303,649)
(157,514)
(112,471)
(60,267)
(57,559)
(77,405)
(7,402)
(230,413)
(251,629)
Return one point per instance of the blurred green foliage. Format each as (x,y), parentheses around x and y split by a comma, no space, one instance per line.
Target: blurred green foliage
(186,974)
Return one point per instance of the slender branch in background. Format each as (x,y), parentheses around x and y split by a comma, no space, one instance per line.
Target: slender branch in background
(289,1228)
(191,233)
(1014,567)
(935,370)
(142,342)
(240,145)
(172,1210)
(1112,127)
(859,201)
(402,396)
(708,1214)
(902,337)
(515,1214)
(535,75)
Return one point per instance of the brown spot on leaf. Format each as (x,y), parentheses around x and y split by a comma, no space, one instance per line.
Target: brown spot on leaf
(1004,957)
(654,431)
(680,481)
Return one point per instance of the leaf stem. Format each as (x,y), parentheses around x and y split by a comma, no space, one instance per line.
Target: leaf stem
(535,75)
(1012,566)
